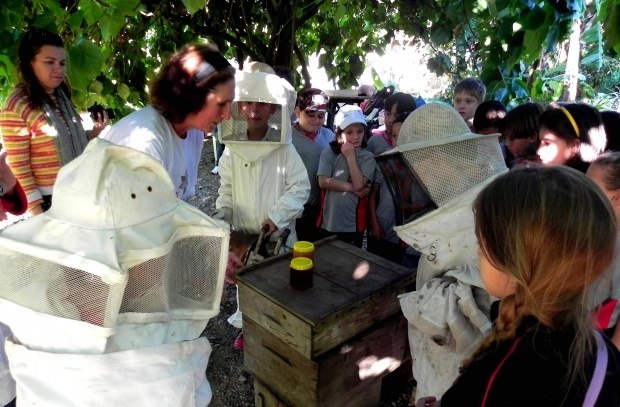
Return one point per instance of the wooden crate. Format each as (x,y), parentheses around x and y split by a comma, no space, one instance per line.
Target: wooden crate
(305,347)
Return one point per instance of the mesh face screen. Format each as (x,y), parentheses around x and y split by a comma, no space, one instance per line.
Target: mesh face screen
(449,170)
(411,199)
(57,290)
(243,116)
(182,279)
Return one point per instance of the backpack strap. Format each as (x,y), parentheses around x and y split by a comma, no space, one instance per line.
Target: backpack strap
(598,377)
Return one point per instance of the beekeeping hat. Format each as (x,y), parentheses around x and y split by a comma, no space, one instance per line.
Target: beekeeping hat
(116,241)
(449,164)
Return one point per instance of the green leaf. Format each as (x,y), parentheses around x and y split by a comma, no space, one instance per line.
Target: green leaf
(520,88)
(123,91)
(127,7)
(194,5)
(440,34)
(9,67)
(340,12)
(501,94)
(110,26)
(75,20)
(532,42)
(92,11)
(611,24)
(11,13)
(552,38)
(376,80)
(95,87)
(534,19)
(592,59)
(84,63)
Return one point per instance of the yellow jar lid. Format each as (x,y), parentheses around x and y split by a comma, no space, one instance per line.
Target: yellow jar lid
(303,247)
(301,263)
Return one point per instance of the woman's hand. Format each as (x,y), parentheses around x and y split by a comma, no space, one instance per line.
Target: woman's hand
(100,122)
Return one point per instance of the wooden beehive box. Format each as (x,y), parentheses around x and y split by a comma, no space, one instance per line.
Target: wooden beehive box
(323,346)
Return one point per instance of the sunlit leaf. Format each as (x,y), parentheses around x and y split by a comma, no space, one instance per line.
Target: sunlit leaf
(123,91)
(194,5)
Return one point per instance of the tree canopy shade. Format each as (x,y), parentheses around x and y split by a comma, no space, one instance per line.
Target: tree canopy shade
(512,45)
(116,46)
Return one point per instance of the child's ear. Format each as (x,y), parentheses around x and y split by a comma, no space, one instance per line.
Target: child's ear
(297,111)
(574,146)
(614,196)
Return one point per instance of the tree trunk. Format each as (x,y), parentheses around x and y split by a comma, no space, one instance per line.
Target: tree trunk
(572,62)
(282,54)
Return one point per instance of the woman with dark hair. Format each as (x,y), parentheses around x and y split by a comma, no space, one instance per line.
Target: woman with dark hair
(571,134)
(41,129)
(191,95)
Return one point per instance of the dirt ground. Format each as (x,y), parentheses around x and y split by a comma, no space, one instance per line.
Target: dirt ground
(232,386)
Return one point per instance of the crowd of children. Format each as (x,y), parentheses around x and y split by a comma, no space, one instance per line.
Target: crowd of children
(545,231)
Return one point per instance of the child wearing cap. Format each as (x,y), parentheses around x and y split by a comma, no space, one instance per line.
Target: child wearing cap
(309,139)
(310,110)
(344,174)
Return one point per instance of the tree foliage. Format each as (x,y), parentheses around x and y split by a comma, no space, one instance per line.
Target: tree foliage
(514,46)
(116,46)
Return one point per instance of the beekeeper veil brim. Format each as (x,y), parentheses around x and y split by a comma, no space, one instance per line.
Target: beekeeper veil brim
(449,164)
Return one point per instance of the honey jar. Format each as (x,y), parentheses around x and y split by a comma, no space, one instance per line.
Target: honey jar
(303,249)
(302,270)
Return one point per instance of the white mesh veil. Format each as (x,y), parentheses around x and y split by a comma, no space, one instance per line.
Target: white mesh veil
(263,88)
(453,164)
(117,249)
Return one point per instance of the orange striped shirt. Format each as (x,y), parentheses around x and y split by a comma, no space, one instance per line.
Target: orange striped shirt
(31,147)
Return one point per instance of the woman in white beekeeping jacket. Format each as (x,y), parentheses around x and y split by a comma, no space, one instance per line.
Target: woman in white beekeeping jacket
(263,181)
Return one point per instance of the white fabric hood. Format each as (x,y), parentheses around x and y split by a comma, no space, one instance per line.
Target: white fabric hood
(117,247)
(263,88)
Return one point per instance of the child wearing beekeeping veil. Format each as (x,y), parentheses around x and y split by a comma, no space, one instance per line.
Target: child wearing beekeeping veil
(263,181)
(448,313)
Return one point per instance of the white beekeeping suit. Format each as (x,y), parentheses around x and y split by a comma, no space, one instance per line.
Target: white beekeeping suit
(267,178)
(263,179)
(448,314)
(108,292)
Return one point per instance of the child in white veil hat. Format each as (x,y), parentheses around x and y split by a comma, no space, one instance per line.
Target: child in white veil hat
(448,313)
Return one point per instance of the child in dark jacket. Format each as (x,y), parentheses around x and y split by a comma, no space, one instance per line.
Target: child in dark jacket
(545,234)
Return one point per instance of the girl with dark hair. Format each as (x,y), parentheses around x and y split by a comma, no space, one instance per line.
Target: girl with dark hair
(40,127)
(521,133)
(570,134)
(545,235)
(190,97)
